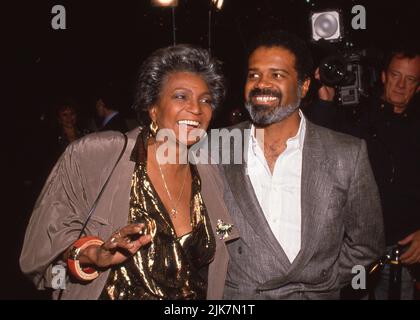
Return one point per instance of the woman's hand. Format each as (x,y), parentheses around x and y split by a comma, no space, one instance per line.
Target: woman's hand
(117,249)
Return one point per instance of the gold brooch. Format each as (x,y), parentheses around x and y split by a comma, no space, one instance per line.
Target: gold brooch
(223,229)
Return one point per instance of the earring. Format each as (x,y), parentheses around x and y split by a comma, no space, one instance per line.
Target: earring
(154,128)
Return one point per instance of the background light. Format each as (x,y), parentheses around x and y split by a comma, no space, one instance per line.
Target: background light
(164,3)
(326,25)
(218,4)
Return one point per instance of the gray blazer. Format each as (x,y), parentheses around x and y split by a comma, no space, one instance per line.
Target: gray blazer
(342,222)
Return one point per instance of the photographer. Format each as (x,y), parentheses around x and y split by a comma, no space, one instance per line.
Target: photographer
(390,124)
(323,110)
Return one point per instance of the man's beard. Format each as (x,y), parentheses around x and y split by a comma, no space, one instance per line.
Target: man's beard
(265,115)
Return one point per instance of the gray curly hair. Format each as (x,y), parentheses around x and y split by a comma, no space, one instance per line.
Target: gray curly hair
(180,58)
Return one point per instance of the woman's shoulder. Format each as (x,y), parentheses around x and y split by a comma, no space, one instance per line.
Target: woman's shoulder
(100,144)
(97,141)
(101,137)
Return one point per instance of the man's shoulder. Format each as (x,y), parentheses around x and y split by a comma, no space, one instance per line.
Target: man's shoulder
(117,123)
(342,152)
(117,118)
(333,139)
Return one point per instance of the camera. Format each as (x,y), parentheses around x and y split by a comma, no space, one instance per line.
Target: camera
(345,72)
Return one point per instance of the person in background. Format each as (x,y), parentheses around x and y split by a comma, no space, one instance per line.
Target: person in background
(390,125)
(108,114)
(69,128)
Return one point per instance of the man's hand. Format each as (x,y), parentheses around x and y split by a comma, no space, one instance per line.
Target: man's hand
(324,92)
(412,255)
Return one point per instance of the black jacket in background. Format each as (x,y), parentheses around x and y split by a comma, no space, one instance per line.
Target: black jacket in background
(117,123)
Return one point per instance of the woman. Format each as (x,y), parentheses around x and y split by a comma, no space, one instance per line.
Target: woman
(68,128)
(67,120)
(150,236)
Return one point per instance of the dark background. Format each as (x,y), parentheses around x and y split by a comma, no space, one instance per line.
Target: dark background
(105,41)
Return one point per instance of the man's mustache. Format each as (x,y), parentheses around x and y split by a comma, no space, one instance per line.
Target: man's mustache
(265,92)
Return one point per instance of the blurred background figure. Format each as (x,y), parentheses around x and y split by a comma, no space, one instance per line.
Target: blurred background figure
(69,130)
(108,112)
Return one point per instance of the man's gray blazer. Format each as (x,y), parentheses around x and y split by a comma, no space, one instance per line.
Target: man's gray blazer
(342,224)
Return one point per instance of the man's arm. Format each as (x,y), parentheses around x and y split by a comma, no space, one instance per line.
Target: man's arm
(363,222)
(323,111)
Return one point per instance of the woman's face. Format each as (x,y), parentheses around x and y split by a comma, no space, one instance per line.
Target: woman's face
(184,106)
(67,117)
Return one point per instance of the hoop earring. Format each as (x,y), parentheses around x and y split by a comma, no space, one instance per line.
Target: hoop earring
(154,128)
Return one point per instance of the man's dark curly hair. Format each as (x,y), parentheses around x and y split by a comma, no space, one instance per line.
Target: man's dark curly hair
(180,58)
(291,42)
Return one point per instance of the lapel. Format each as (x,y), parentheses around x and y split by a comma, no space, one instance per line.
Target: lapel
(315,191)
(212,193)
(242,190)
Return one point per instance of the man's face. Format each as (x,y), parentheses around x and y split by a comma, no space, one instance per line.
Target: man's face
(401,81)
(272,90)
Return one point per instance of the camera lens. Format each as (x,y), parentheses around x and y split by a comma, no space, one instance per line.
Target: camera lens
(332,71)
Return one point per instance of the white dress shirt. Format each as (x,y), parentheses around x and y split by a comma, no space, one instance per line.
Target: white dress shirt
(279,193)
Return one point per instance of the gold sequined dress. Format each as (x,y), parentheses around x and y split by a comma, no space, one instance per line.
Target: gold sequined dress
(170,267)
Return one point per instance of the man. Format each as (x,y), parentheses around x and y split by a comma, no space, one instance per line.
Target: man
(391,127)
(401,79)
(110,117)
(390,124)
(305,201)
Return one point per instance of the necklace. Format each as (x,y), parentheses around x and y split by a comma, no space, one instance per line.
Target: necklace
(173,211)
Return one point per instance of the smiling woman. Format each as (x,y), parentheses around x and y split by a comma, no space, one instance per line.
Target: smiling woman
(151,234)
(185,104)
